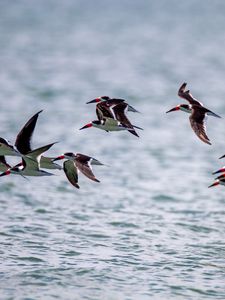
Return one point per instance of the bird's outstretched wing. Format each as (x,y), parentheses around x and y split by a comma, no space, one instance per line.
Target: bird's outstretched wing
(23,139)
(82,162)
(32,158)
(197,120)
(119,111)
(187,95)
(103,111)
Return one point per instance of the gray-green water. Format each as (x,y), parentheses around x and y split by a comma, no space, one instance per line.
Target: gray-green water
(151,229)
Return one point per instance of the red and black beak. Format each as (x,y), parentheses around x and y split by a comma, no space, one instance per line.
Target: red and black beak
(86,126)
(58,158)
(220,177)
(173,109)
(219,171)
(214,183)
(94,101)
(5,173)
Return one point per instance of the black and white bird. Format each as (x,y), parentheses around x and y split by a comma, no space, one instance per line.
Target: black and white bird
(198,113)
(23,144)
(78,162)
(30,165)
(112,117)
(219,180)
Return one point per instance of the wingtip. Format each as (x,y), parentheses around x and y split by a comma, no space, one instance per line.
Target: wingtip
(51,144)
(206,141)
(134,133)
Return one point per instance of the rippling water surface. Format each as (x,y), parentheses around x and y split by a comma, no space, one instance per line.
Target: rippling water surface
(151,229)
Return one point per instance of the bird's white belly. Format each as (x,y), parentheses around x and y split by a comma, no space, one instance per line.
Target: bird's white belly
(110,127)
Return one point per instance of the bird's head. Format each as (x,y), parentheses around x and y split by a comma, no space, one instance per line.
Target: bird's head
(183,107)
(66,155)
(99,99)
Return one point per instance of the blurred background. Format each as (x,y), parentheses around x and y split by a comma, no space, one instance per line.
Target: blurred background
(151,228)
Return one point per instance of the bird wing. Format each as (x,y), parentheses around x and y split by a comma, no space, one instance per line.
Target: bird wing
(187,95)
(83,158)
(23,138)
(103,111)
(4,162)
(88,159)
(32,158)
(115,101)
(197,120)
(71,172)
(48,163)
(7,149)
(83,165)
(119,111)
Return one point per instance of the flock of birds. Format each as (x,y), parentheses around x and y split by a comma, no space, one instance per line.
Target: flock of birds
(197,118)
(111,116)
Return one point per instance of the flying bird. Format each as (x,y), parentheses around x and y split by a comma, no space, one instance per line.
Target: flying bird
(198,113)
(219,180)
(23,144)
(221,170)
(30,165)
(112,117)
(75,163)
